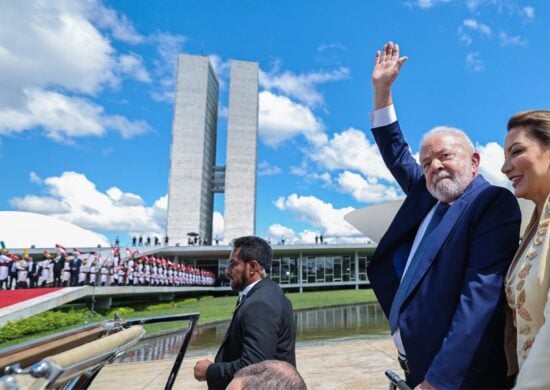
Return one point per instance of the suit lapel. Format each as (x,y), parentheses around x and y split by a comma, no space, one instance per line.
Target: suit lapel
(235,313)
(440,234)
(408,218)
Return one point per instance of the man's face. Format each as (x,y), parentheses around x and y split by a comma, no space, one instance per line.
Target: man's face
(237,271)
(449,165)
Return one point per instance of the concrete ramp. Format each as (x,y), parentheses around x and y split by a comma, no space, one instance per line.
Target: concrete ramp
(103,297)
(42,303)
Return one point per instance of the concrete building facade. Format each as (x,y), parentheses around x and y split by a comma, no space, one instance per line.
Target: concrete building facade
(193,150)
(242,140)
(194,176)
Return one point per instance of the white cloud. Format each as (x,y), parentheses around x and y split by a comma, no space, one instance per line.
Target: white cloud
(63,117)
(34,178)
(266,169)
(281,119)
(473,5)
(40,204)
(529,12)
(61,56)
(74,198)
(279,232)
(221,69)
(169,46)
(324,178)
(331,46)
(472,25)
(368,190)
(301,170)
(218,225)
(223,111)
(474,62)
(319,214)
(124,198)
(119,26)
(309,176)
(426,4)
(492,158)
(511,40)
(132,65)
(302,87)
(351,149)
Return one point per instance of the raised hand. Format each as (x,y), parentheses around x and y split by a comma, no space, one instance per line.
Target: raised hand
(387,65)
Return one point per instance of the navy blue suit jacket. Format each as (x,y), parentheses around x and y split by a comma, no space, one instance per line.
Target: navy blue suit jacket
(452,321)
(262,328)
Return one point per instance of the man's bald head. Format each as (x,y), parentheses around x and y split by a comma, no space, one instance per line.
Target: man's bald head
(268,375)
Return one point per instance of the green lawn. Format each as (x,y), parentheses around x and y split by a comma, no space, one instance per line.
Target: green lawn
(210,309)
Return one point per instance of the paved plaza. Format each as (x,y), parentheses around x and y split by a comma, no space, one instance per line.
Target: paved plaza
(357,364)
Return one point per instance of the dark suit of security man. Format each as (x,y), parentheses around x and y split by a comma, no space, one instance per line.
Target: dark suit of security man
(262,327)
(442,287)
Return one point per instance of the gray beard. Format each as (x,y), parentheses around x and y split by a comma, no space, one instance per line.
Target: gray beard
(448,190)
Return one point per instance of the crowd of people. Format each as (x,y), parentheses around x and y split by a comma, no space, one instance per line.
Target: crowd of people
(64,269)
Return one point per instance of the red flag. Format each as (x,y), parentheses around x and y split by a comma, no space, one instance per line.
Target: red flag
(60,249)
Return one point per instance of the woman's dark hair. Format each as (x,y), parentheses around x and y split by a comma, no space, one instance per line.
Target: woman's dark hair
(535,122)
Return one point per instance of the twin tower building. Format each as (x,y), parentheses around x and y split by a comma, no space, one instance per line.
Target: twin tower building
(194,173)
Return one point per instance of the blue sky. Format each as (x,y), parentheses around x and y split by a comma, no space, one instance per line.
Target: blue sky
(87,91)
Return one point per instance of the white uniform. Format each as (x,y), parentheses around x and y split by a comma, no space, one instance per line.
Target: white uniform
(4,263)
(66,273)
(104,274)
(83,273)
(92,274)
(22,271)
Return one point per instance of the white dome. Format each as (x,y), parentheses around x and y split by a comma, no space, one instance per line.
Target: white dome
(20,229)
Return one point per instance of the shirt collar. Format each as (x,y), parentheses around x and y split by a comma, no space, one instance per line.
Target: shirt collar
(248,288)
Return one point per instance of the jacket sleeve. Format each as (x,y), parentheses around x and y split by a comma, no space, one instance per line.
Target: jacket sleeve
(494,239)
(259,326)
(397,155)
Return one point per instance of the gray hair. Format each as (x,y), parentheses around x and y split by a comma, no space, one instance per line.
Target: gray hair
(270,375)
(448,130)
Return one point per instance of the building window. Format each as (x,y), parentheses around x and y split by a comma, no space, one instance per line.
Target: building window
(276,270)
(338,269)
(363,268)
(284,270)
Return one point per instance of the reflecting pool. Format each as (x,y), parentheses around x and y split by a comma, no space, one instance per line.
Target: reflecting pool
(315,326)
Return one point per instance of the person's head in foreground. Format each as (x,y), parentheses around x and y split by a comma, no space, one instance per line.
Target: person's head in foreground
(249,261)
(268,375)
(449,161)
(527,155)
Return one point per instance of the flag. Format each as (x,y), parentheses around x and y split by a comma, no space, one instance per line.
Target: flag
(60,249)
(116,250)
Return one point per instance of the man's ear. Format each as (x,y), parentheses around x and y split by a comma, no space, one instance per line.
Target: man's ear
(475,161)
(255,267)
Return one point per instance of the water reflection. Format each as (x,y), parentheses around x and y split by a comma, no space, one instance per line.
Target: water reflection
(312,327)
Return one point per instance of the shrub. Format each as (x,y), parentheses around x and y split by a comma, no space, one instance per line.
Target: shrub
(50,320)
(160,306)
(186,301)
(122,311)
